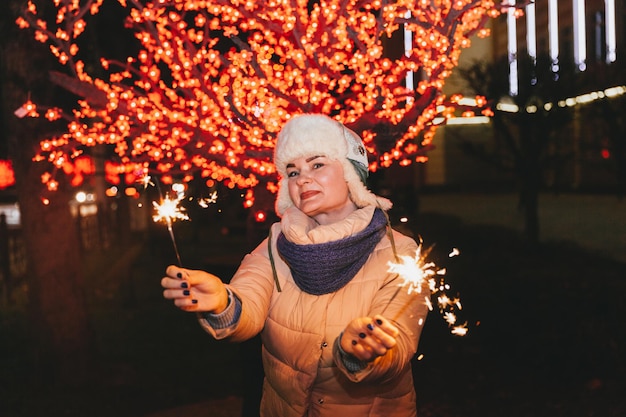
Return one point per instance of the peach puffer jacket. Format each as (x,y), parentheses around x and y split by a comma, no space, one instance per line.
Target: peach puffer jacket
(304,374)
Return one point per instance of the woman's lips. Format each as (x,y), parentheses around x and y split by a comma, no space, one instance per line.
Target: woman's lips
(307,194)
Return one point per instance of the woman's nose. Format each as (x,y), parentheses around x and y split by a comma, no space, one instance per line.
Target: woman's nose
(303,179)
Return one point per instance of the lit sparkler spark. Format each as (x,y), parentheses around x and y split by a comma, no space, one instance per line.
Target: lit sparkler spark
(417,272)
(169,211)
(449,317)
(460,330)
(211,199)
(145,180)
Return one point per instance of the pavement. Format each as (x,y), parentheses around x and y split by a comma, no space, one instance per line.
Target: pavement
(224,407)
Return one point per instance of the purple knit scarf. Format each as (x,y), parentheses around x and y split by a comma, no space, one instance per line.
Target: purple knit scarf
(323,268)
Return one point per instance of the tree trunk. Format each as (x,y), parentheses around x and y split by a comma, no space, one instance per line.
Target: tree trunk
(530,206)
(56,304)
(530,177)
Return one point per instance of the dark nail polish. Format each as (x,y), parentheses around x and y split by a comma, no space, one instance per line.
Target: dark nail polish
(179,275)
(379,321)
(186,292)
(370,326)
(362,335)
(354,343)
(194,301)
(184,285)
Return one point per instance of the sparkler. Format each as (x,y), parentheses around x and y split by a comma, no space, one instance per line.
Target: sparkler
(417,273)
(169,211)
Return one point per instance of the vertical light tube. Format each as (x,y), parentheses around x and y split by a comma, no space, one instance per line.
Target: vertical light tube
(512,48)
(580,46)
(408,47)
(598,32)
(553,33)
(531,32)
(609,23)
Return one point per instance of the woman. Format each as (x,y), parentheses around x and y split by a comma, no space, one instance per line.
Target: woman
(338,337)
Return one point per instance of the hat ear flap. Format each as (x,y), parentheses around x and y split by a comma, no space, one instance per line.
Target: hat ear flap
(283,200)
(359,194)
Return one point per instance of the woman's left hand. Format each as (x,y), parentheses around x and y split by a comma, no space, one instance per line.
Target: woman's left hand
(367,338)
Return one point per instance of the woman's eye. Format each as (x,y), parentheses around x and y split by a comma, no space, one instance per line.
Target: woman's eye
(292,174)
(317,165)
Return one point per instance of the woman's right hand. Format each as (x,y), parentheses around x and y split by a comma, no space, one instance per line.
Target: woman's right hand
(194,290)
(367,338)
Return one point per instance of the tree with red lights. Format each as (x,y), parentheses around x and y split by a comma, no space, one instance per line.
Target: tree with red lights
(200,88)
(212,82)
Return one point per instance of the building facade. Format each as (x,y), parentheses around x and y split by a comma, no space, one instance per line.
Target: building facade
(586,37)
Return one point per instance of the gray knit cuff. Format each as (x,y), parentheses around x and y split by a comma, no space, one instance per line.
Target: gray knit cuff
(226,318)
(351,363)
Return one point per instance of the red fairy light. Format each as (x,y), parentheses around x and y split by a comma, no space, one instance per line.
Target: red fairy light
(7,178)
(260,216)
(85,165)
(52,185)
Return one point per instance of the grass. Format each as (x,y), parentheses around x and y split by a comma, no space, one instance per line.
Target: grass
(546,334)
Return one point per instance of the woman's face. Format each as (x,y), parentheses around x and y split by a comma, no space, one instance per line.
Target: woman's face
(318,188)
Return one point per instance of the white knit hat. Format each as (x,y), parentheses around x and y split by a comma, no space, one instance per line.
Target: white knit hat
(315,134)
